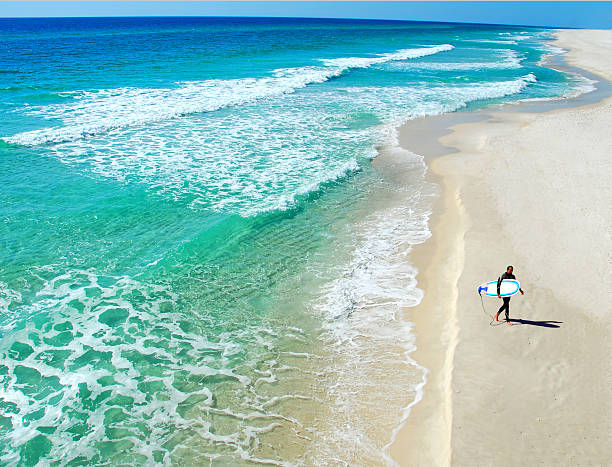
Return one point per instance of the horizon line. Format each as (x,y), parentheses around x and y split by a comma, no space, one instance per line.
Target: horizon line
(293,17)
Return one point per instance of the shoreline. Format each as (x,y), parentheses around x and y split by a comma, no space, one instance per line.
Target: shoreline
(447,426)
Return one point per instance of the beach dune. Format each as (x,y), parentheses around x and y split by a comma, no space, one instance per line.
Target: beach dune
(529,189)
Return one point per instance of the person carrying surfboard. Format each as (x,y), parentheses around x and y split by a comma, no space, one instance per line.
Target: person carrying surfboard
(506,305)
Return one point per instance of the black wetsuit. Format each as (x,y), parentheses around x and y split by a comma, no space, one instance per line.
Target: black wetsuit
(506,305)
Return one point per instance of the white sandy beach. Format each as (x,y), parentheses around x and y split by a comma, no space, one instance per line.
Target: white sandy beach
(532,190)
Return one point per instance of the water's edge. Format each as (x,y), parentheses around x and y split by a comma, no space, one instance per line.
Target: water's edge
(422,136)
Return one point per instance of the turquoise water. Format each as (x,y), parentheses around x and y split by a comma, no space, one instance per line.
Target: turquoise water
(199,261)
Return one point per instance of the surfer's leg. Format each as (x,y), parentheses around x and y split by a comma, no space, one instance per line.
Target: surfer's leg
(501,308)
(505,307)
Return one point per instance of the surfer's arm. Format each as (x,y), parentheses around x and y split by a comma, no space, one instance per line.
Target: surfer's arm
(499,281)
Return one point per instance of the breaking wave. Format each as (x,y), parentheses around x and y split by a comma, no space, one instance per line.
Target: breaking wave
(93,112)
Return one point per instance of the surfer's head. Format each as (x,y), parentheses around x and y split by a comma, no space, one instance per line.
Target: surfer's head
(509,269)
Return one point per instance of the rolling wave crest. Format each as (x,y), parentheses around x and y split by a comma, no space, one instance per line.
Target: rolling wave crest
(94,112)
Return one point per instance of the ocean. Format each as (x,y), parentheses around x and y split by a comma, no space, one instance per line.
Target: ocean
(200,261)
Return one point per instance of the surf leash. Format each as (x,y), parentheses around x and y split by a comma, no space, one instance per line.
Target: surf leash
(492,322)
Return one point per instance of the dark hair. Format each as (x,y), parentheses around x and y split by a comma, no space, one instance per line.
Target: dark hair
(509,267)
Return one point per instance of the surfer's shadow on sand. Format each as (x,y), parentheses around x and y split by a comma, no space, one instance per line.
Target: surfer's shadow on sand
(544,323)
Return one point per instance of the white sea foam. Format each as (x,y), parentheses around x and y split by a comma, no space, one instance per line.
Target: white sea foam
(93,112)
(492,41)
(554,49)
(519,36)
(286,201)
(261,158)
(504,59)
(256,162)
(365,62)
(363,310)
(457,66)
(404,103)
(8,298)
(580,85)
(550,51)
(106,354)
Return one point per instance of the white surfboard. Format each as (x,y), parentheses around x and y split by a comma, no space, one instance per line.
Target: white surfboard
(507,288)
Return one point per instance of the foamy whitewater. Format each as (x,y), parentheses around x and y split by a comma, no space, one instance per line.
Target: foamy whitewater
(200,262)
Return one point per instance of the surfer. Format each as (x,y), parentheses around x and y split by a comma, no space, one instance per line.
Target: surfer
(506,306)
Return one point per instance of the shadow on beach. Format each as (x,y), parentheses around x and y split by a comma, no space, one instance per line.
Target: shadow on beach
(544,324)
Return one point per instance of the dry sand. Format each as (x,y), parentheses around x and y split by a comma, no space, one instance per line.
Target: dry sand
(533,190)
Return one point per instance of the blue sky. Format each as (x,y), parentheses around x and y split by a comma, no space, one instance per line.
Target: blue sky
(555,14)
